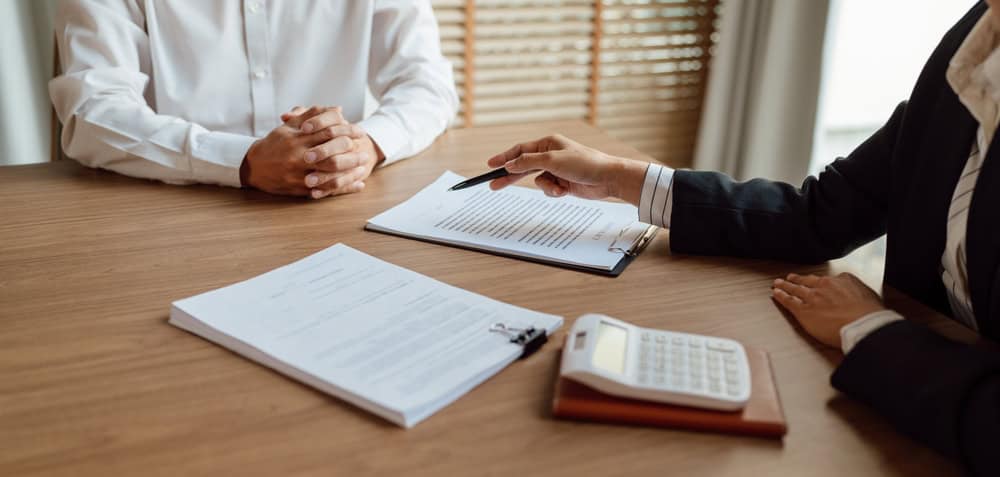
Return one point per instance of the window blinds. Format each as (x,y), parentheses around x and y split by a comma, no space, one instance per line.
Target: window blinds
(635,68)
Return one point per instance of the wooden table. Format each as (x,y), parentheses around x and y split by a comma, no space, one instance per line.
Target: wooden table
(95,382)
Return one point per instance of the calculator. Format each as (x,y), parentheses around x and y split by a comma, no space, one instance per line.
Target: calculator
(621,359)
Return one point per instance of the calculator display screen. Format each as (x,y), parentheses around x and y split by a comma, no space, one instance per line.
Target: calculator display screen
(609,350)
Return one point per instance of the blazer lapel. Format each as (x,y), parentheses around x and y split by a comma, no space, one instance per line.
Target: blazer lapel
(937,161)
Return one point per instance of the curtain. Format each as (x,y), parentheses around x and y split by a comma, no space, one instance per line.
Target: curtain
(26,57)
(763,90)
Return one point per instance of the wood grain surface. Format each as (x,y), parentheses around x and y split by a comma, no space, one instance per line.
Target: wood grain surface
(93,381)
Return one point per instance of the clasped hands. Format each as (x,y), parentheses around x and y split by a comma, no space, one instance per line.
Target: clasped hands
(315,153)
(822,305)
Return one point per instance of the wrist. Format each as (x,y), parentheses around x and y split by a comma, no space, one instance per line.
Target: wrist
(627,176)
(245,166)
(245,172)
(374,149)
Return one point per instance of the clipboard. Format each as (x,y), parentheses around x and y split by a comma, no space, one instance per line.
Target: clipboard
(629,252)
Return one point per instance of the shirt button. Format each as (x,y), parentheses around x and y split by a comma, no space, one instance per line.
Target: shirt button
(260,74)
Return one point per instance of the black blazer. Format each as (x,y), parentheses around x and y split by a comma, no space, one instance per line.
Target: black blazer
(899,182)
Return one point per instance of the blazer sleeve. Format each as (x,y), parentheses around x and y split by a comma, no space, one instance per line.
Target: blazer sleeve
(940,392)
(828,217)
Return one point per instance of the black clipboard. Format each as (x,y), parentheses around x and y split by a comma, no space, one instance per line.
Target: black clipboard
(628,252)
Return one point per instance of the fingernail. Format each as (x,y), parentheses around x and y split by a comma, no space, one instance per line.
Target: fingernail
(311,181)
(310,157)
(317,194)
(307,128)
(777,281)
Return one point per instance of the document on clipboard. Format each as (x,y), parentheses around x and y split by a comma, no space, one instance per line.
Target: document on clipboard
(594,236)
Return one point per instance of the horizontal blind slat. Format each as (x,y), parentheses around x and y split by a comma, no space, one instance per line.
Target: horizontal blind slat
(534,60)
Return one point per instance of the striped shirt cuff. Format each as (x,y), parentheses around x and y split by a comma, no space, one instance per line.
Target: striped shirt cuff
(656,201)
(857,330)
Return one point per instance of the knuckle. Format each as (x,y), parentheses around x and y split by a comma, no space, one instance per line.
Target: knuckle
(339,163)
(353,160)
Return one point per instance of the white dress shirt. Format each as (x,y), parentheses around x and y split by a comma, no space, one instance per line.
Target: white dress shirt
(974,74)
(178,91)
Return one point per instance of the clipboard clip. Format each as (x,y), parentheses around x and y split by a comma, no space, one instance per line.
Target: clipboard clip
(530,339)
(637,245)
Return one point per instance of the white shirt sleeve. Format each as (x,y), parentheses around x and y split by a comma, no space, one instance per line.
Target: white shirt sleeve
(107,121)
(410,78)
(656,200)
(857,330)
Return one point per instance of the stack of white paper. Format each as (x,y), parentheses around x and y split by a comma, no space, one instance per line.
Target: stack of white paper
(384,338)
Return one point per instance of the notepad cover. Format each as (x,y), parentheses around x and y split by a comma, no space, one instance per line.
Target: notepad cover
(762,416)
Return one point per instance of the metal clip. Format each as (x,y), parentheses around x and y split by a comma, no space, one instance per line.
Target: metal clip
(531,338)
(637,245)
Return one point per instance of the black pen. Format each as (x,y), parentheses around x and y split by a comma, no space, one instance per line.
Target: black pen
(494,174)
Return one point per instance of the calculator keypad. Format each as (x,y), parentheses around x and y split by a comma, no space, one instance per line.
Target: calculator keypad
(689,364)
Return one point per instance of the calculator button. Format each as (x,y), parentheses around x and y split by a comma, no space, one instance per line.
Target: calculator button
(661,339)
(694,342)
(697,384)
(733,391)
(644,336)
(677,340)
(714,374)
(660,379)
(643,378)
(715,388)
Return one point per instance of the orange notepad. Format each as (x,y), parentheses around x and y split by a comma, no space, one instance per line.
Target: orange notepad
(762,416)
